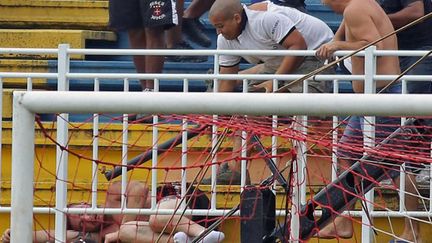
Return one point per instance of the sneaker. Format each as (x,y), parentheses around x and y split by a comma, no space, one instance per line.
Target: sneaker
(185,46)
(193,29)
(209,82)
(424,178)
(227,177)
(142,118)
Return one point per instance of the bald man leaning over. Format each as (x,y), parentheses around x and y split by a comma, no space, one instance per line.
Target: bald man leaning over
(265,26)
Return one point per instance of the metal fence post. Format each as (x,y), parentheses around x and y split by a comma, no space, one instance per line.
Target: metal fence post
(62,154)
(369,139)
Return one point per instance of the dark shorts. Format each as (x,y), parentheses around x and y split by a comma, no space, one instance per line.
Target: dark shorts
(422,68)
(135,14)
(309,65)
(385,126)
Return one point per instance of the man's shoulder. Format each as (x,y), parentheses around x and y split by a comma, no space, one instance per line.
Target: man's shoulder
(256,16)
(356,8)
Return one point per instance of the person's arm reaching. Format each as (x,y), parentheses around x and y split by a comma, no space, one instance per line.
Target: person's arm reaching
(294,41)
(340,33)
(408,14)
(228,85)
(362,31)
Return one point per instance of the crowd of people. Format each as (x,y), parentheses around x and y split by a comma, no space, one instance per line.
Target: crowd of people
(263,25)
(286,25)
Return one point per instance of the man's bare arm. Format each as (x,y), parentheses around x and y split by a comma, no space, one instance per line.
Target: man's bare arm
(362,31)
(340,33)
(294,41)
(228,85)
(412,12)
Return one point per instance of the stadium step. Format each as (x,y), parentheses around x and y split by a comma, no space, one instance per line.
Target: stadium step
(54,14)
(51,38)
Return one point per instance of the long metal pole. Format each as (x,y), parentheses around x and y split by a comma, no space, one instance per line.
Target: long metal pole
(246,103)
(369,140)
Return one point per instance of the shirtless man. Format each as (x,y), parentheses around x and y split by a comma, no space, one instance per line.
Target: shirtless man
(185,228)
(364,21)
(96,226)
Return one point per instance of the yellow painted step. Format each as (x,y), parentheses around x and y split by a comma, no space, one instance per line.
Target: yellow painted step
(24,66)
(54,14)
(46,38)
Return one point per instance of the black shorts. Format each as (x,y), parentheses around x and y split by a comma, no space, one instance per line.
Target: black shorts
(136,14)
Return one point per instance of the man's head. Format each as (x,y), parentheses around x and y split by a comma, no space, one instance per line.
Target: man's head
(336,5)
(84,222)
(226,17)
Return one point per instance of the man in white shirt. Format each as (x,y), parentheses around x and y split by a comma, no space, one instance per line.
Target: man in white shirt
(266,26)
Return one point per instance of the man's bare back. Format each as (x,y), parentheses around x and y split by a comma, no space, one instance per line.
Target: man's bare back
(364,22)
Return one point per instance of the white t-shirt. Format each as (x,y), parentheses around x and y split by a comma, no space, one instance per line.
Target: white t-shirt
(265,30)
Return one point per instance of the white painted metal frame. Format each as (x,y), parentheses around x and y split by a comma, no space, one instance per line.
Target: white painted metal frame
(369,141)
(61,154)
(64,75)
(26,104)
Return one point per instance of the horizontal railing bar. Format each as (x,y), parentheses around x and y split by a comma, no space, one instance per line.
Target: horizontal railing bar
(239,103)
(145,211)
(182,76)
(200,52)
(203,212)
(191,76)
(207,52)
(401,53)
(386,213)
(28,51)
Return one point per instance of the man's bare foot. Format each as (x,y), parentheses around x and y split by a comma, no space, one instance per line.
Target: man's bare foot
(341,227)
(411,232)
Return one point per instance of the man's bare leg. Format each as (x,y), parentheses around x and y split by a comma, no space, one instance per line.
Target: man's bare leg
(140,232)
(155,39)
(177,223)
(148,38)
(181,227)
(197,8)
(411,230)
(341,227)
(137,40)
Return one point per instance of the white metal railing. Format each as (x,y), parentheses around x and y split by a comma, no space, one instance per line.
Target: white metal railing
(297,104)
(26,104)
